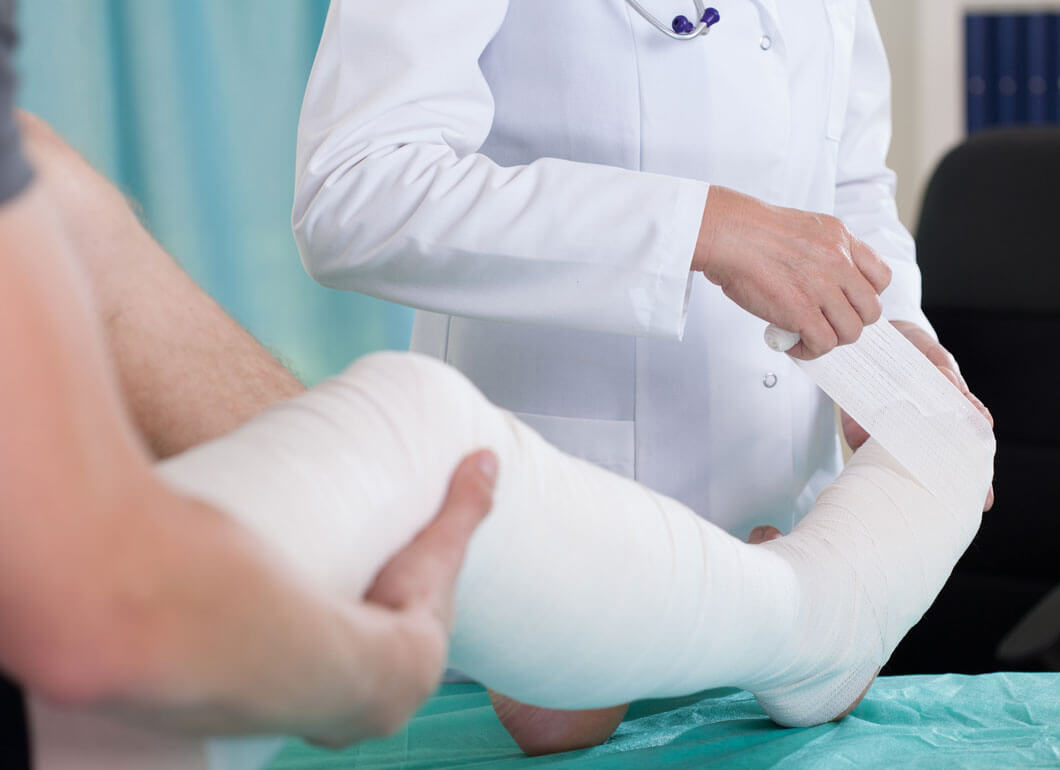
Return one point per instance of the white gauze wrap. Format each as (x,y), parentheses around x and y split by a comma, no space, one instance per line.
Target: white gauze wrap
(583,589)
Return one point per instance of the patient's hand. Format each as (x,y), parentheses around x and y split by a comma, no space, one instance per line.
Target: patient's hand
(940,357)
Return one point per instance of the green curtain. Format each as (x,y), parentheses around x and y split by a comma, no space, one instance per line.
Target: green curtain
(191,107)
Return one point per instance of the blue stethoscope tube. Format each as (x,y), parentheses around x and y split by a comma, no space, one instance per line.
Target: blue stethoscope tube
(682,28)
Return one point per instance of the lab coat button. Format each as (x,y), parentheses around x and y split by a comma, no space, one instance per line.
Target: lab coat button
(766,42)
(770,380)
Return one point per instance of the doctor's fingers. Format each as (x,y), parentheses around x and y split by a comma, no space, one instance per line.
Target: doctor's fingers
(962,386)
(838,301)
(843,315)
(876,271)
(853,433)
(944,360)
(835,323)
(934,351)
(816,336)
(763,534)
(825,324)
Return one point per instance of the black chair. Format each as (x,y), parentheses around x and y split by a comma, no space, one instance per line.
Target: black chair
(989,249)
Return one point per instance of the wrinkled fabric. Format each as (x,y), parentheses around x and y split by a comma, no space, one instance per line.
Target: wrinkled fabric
(947,721)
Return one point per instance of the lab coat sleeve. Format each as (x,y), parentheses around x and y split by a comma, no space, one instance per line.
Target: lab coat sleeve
(865,187)
(393,199)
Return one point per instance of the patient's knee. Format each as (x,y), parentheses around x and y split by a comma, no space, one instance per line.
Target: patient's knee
(76,189)
(47,150)
(427,382)
(36,132)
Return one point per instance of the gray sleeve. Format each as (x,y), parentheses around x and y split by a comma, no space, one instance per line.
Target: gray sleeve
(14,170)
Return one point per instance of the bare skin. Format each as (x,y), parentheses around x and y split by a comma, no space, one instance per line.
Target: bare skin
(539,731)
(187,371)
(802,271)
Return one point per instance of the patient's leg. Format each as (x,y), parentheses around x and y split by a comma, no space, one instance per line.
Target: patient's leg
(188,372)
(583,590)
(548,731)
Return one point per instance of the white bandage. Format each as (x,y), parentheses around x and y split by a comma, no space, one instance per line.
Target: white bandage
(909,406)
(583,589)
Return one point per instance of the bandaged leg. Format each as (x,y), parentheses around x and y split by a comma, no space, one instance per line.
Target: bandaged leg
(583,589)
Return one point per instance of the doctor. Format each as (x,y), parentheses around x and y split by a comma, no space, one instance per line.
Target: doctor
(596,220)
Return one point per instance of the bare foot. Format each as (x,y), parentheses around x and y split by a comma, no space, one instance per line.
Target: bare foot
(548,731)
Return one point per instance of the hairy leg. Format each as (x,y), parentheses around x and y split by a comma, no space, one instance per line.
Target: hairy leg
(188,371)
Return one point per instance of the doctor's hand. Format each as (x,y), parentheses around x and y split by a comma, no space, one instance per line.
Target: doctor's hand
(855,435)
(803,272)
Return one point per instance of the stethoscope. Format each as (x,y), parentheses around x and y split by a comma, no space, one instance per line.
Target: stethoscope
(682,28)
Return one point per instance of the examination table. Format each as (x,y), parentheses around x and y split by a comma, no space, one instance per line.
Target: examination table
(1005,720)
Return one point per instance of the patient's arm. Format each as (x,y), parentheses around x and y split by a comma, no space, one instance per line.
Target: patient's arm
(116,592)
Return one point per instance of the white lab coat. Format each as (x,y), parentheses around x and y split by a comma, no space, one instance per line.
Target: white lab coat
(534,172)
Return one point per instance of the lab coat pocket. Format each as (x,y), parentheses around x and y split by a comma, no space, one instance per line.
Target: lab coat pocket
(607,443)
(842,16)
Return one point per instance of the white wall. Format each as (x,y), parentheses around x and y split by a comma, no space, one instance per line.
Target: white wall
(898,37)
(925,45)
